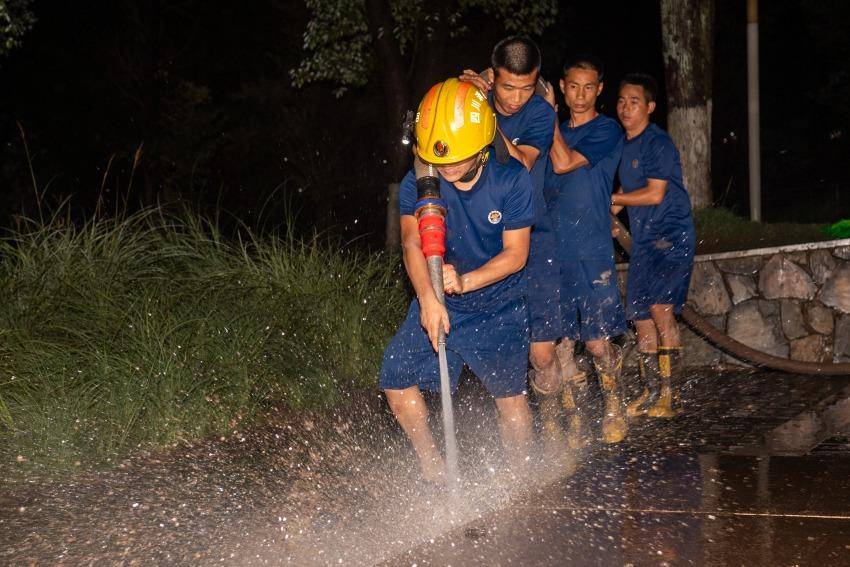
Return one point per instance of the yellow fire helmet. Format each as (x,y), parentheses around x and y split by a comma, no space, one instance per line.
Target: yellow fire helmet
(454,122)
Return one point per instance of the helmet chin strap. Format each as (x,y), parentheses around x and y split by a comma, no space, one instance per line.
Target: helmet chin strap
(473,171)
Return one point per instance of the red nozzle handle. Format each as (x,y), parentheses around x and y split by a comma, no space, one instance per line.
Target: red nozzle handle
(432,230)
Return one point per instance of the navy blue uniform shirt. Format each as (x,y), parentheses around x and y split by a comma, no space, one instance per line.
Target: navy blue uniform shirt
(667,226)
(582,197)
(500,200)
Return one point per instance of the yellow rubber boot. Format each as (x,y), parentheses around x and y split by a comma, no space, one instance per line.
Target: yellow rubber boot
(668,404)
(650,376)
(614,425)
(573,400)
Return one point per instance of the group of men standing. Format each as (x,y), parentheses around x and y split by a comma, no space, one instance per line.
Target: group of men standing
(529,264)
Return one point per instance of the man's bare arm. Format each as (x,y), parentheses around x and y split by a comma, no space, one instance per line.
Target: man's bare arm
(564,159)
(433,314)
(652,194)
(511,259)
(526,155)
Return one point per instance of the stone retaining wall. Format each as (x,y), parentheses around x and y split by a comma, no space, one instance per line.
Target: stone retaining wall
(790,301)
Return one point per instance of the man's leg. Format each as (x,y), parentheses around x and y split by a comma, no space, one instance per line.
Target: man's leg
(648,363)
(515,428)
(669,352)
(409,409)
(609,362)
(574,398)
(546,381)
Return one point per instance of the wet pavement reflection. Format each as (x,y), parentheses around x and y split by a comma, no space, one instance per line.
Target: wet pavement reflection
(703,489)
(675,509)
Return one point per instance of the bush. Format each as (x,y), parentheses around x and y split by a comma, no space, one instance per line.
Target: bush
(129,334)
(720,230)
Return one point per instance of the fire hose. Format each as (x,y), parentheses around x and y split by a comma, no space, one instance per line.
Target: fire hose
(431,214)
(729,345)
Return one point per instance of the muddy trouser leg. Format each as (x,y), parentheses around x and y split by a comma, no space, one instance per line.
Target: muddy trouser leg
(574,397)
(668,404)
(650,376)
(614,425)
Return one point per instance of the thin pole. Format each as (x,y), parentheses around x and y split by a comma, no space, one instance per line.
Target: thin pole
(754,134)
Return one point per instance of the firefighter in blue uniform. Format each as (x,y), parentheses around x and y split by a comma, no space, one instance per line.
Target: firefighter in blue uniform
(584,158)
(663,241)
(488,223)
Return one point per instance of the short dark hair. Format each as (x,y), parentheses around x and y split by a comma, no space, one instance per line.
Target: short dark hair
(516,54)
(587,62)
(643,80)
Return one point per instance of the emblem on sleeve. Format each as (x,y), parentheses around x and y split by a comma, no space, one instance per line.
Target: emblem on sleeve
(495,217)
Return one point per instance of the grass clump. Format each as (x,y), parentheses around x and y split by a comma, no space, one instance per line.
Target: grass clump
(127,334)
(721,230)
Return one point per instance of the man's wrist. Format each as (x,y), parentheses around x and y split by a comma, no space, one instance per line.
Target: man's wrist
(465,283)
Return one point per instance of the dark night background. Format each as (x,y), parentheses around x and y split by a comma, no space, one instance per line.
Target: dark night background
(205,87)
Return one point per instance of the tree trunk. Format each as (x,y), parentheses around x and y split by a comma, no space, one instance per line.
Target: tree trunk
(393,233)
(397,97)
(687,27)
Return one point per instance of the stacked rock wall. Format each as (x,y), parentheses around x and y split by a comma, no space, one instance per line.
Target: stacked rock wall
(792,302)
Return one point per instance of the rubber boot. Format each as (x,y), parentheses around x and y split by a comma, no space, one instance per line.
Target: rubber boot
(549,411)
(650,376)
(574,400)
(614,425)
(668,404)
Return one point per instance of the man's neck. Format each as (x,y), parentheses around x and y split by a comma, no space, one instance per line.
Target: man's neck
(583,118)
(636,131)
(466,186)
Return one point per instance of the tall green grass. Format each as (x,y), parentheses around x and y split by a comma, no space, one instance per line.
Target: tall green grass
(127,334)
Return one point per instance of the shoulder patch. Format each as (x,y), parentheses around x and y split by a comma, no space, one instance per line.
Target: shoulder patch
(495,217)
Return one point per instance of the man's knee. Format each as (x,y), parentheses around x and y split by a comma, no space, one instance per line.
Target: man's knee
(662,313)
(599,348)
(513,407)
(542,355)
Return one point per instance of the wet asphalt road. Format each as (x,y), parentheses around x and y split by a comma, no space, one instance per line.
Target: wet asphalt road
(707,488)
(754,473)
(671,509)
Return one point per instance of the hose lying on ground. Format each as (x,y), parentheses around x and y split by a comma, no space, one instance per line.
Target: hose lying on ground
(729,345)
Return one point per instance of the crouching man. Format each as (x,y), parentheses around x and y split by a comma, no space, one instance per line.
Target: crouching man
(489,214)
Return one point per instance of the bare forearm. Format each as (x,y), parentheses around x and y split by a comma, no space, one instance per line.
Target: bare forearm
(417,271)
(645,196)
(563,158)
(497,268)
(516,153)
